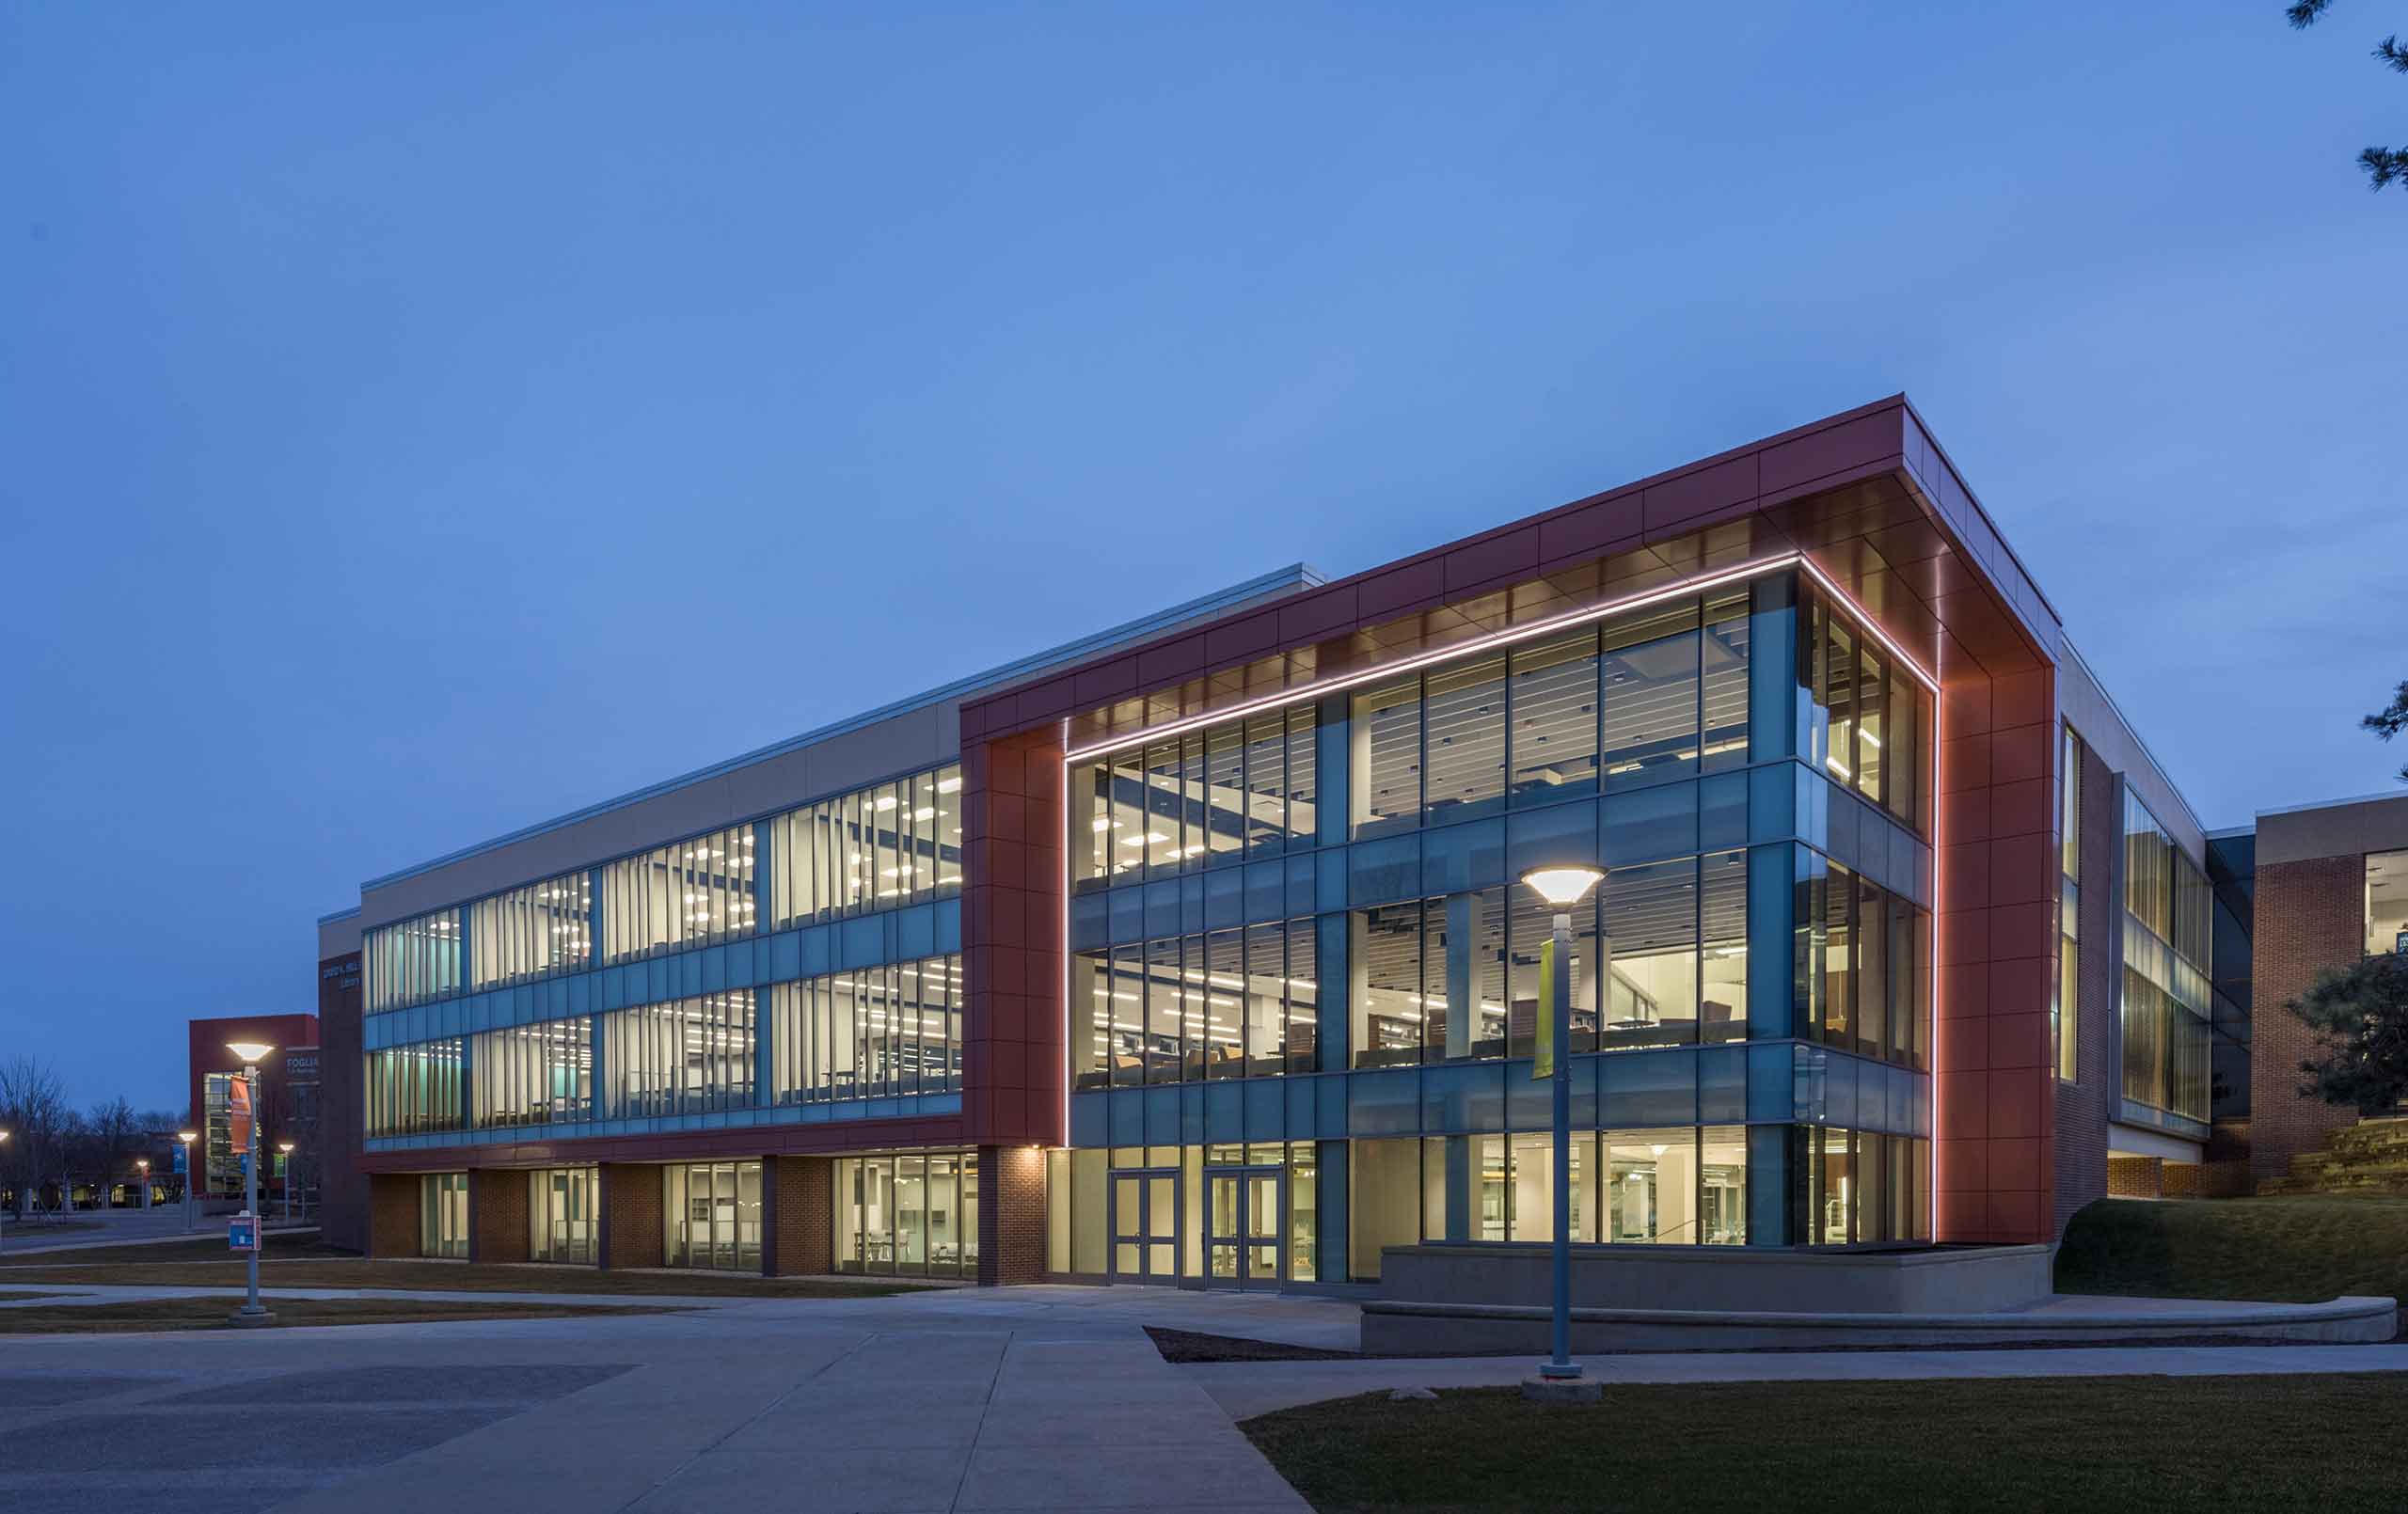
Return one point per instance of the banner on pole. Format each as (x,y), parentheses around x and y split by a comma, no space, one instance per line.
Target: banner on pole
(238,1113)
(1543,1064)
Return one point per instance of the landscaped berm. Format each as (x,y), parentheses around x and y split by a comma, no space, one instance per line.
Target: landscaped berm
(2132,1444)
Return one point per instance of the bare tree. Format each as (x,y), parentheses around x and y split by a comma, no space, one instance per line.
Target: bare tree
(115,1134)
(33,1110)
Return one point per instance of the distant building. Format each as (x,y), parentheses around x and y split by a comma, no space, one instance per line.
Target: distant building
(288,1098)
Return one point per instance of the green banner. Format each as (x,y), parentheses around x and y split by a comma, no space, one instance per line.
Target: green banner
(1542,1066)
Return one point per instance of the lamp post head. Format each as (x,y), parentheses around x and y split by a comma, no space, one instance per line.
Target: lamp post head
(143,1162)
(186,1137)
(285,1146)
(252,1053)
(1564,886)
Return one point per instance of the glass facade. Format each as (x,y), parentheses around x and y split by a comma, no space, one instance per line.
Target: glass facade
(689,893)
(913,1215)
(892,1028)
(1211,796)
(410,961)
(443,1215)
(539,1074)
(2386,902)
(712,1214)
(2065,1008)
(563,1215)
(1220,1004)
(412,1089)
(534,931)
(876,848)
(693,1056)
(2166,1009)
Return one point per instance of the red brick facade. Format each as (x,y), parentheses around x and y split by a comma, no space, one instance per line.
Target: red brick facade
(498,1227)
(2311,916)
(1011,935)
(2136,1178)
(798,1216)
(1011,1215)
(390,1215)
(632,1228)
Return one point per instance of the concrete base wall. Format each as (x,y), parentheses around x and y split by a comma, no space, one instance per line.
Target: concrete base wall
(1969,1280)
(1397,1329)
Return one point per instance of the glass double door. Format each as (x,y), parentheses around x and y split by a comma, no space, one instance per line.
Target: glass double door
(1245,1215)
(1145,1226)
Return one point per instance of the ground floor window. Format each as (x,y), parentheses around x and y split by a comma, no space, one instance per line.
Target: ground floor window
(714,1215)
(913,1215)
(561,1214)
(443,1215)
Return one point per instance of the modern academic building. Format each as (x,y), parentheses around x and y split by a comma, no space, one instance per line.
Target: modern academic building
(1193,952)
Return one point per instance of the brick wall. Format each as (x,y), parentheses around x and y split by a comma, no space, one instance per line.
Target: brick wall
(2311,916)
(2135,1177)
(1995,1089)
(497,1214)
(1011,1215)
(632,1234)
(391,1215)
(798,1221)
(2085,1104)
(1011,933)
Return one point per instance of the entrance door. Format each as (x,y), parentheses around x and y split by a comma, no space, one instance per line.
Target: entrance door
(1245,1214)
(1144,1226)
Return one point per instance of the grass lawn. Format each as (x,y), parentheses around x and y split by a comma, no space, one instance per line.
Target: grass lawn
(2131,1445)
(208,1247)
(2281,1250)
(210,1314)
(450,1277)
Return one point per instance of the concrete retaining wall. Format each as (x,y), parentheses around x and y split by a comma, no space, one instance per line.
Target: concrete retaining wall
(1929,1281)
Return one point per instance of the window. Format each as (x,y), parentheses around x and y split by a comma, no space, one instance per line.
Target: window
(891,1029)
(886,846)
(443,1215)
(1866,721)
(2386,902)
(562,1214)
(1861,978)
(539,1074)
(714,1215)
(534,931)
(413,1089)
(914,1215)
(411,961)
(1225,1003)
(1555,716)
(1651,684)
(2165,1004)
(689,893)
(690,1057)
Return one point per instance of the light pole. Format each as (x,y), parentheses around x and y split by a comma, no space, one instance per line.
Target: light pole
(252,1053)
(20,1198)
(284,1149)
(187,1137)
(142,1165)
(1558,1378)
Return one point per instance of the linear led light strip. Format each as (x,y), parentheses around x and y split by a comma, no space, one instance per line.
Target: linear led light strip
(1523,633)
(1528,631)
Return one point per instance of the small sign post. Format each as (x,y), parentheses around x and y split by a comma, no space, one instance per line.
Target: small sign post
(243,1232)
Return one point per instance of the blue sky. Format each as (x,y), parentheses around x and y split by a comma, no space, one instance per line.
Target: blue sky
(416,425)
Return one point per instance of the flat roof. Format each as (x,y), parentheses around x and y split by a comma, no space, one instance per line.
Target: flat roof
(2401,794)
(1295,576)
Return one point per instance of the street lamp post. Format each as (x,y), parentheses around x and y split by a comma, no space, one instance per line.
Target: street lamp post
(284,1149)
(19,1206)
(252,1053)
(1558,1377)
(187,1137)
(142,1165)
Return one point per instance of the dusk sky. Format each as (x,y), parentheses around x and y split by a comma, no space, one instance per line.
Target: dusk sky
(413,427)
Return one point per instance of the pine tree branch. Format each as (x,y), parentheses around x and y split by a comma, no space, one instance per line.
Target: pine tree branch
(2306,12)
(2384,166)
(2392,53)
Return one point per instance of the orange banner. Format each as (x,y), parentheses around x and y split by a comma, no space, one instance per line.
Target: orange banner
(238,1114)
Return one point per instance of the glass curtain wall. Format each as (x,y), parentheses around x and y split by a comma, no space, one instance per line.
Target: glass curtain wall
(412,1089)
(443,1215)
(690,1057)
(563,1220)
(1221,1003)
(689,893)
(1867,720)
(2066,1004)
(411,961)
(535,932)
(2166,1008)
(912,1214)
(1233,791)
(1860,974)
(539,1074)
(714,1215)
(886,846)
(872,1031)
